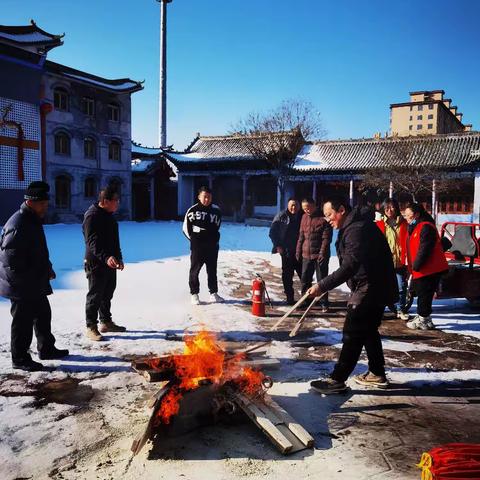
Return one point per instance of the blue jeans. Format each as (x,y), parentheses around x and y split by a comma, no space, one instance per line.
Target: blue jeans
(402,277)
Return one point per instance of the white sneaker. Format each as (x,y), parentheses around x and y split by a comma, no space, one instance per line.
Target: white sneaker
(215,298)
(403,315)
(421,323)
(194,299)
(429,323)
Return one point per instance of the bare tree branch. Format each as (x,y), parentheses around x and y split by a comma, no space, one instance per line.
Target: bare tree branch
(402,166)
(279,134)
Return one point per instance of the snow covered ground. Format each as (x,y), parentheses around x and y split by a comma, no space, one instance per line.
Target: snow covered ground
(152,300)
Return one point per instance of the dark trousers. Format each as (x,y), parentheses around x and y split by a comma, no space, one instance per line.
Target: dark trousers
(290,265)
(309,267)
(361,330)
(203,255)
(425,288)
(102,282)
(29,315)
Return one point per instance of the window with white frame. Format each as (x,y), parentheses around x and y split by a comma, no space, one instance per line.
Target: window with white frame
(60,99)
(113,112)
(88,106)
(114,151)
(90,148)
(62,143)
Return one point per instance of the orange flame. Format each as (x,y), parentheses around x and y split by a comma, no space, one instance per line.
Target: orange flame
(203,359)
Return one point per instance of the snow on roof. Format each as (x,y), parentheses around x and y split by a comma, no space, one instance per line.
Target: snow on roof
(34,37)
(444,151)
(27,36)
(126,85)
(145,150)
(139,165)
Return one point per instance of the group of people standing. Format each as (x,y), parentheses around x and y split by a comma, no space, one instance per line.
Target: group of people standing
(26,272)
(375,260)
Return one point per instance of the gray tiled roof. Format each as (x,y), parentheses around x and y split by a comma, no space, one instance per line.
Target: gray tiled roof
(229,148)
(29,35)
(443,151)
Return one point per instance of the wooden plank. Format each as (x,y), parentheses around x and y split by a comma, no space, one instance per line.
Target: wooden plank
(267,363)
(142,438)
(276,418)
(264,423)
(290,422)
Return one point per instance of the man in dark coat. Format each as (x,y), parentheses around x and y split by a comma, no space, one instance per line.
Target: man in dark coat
(367,267)
(202,228)
(25,274)
(103,257)
(284,235)
(313,247)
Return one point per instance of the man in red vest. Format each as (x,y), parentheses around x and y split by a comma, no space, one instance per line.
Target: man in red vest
(426,262)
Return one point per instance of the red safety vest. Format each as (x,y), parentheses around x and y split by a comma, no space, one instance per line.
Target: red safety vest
(436,261)
(402,237)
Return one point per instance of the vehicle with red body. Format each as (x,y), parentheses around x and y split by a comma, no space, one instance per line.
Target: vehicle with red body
(463,257)
(461,242)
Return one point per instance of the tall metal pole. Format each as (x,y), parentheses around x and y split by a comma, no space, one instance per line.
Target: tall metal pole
(162,103)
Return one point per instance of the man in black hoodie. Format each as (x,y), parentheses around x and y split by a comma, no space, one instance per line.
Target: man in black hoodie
(25,274)
(201,226)
(367,267)
(103,257)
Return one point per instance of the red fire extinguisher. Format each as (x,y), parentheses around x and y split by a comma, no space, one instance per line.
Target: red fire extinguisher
(258,297)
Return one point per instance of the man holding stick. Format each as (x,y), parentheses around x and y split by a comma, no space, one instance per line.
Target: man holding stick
(366,265)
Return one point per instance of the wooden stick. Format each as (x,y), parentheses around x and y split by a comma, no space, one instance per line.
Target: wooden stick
(297,326)
(289,312)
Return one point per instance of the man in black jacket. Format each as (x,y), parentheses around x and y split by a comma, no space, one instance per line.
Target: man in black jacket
(25,274)
(103,257)
(367,267)
(284,235)
(201,226)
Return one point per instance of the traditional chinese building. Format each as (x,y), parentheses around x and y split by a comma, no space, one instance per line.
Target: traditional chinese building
(76,127)
(245,186)
(154,185)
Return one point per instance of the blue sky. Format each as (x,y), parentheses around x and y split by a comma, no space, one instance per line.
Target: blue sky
(351,58)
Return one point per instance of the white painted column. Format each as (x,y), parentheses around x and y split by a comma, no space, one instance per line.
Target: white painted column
(390,190)
(351,193)
(180,189)
(152,198)
(434,200)
(476,198)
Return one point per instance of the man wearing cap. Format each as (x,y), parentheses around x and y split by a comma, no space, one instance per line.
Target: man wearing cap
(25,274)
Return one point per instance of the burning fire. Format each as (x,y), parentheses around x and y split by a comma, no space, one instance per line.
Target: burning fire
(203,360)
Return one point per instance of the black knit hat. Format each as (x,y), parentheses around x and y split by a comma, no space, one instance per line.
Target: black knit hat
(37,191)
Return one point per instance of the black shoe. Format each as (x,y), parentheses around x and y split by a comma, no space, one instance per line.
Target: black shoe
(53,354)
(328,386)
(29,366)
(324,309)
(290,301)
